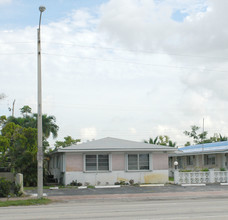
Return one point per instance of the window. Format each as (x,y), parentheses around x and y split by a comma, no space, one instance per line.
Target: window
(170,162)
(138,161)
(209,159)
(179,160)
(97,162)
(190,160)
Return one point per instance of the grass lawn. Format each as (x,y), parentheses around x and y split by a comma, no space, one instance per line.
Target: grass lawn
(48,187)
(34,187)
(171,178)
(26,202)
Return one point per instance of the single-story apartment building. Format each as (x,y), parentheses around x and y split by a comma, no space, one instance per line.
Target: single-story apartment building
(109,160)
(202,156)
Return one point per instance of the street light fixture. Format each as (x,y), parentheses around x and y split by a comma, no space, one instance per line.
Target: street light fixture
(39,115)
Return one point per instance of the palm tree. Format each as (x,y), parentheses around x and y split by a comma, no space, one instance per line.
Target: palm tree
(48,122)
(172,144)
(222,138)
(151,141)
(49,126)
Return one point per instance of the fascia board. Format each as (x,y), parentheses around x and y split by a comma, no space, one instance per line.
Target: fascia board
(197,153)
(115,150)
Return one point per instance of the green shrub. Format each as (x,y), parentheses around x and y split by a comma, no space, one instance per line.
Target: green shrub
(5,187)
(222,169)
(205,170)
(75,183)
(17,190)
(185,170)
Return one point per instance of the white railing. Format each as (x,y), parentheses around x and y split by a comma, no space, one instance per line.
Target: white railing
(200,177)
(221,176)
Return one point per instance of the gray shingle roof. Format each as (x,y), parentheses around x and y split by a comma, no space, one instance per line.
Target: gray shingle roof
(114,144)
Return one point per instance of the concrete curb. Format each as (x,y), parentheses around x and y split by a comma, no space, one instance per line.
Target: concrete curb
(103,187)
(82,187)
(224,184)
(200,184)
(35,195)
(144,185)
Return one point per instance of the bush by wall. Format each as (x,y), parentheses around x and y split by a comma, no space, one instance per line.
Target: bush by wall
(5,187)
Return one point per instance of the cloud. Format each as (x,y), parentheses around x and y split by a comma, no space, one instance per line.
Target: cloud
(131,71)
(133,131)
(3,2)
(88,133)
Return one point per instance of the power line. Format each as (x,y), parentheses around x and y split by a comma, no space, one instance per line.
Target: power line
(28,42)
(118,49)
(135,51)
(130,62)
(28,53)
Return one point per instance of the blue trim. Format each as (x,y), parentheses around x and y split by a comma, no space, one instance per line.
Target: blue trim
(203,146)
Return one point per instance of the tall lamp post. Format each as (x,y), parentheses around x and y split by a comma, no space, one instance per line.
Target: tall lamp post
(39,116)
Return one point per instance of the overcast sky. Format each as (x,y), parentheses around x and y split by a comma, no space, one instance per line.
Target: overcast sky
(130,69)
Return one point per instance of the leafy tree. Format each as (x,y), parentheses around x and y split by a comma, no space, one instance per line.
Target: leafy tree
(26,110)
(18,142)
(194,133)
(2,120)
(19,148)
(67,142)
(4,146)
(201,138)
(187,144)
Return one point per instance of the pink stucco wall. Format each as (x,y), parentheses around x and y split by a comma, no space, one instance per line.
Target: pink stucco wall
(74,162)
(160,161)
(118,162)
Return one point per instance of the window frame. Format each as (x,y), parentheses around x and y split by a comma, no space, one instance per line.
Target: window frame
(138,162)
(190,160)
(97,163)
(210,159)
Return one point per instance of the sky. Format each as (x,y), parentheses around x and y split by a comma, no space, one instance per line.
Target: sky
(131,69)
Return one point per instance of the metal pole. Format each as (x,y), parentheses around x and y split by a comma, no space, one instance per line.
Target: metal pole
(203,148)
(39,116)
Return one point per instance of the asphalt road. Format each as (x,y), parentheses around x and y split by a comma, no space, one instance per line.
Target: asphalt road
(134,190)
(119,209)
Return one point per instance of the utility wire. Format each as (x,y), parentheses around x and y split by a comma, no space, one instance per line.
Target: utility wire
(134,50)
(130,62)
(118,49)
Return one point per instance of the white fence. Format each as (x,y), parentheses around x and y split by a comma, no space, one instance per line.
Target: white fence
(200,177)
